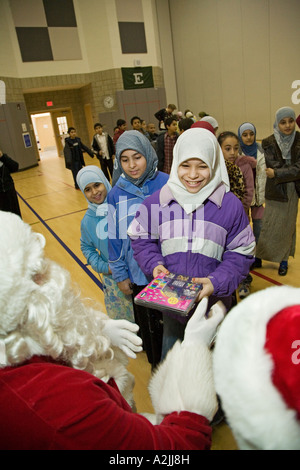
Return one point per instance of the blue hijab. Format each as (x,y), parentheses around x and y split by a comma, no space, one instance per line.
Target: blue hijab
(135,140)
(249,150)
(93,174)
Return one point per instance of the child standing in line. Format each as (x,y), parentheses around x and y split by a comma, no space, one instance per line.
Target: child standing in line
(139,179)
(230,146)
(73,153)
(251,148)
(94,242)
(8,196)
(105,150)
(194,226)
(277,241)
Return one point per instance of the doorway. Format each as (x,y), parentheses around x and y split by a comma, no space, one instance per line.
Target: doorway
(61,121)
(44,134)
(51,129)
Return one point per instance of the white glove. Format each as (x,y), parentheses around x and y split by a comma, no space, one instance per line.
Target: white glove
(201,328)
(122,334)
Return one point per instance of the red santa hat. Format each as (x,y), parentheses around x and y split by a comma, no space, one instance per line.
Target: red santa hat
(257,369)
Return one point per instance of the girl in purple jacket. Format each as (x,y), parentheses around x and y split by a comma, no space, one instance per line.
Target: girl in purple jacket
(194,226)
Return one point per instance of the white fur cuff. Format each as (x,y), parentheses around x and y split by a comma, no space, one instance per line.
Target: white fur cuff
(184,382)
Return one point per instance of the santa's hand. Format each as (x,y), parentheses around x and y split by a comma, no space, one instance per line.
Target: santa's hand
(123,334)
(201,328)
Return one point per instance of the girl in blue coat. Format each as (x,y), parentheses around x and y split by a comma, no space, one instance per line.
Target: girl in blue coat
(140,178)
(94,242)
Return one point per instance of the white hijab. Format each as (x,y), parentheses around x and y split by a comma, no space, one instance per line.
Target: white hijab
(202,144)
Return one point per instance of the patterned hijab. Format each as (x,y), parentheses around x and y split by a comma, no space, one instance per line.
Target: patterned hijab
(249,150)
(93,174)
(284,142)
(135,140)
(202,144)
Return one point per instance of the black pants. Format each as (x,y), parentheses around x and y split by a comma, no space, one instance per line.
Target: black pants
(9,202)
(151,328)
(76,167)
(105,166)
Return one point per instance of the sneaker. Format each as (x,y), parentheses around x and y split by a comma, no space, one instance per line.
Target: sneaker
(283,267)
(244,290)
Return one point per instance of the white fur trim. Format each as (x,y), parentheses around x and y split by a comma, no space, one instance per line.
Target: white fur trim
(255,410)
(184,382)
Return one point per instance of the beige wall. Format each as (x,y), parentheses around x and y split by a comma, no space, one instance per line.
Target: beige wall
(97,23)
(236,59)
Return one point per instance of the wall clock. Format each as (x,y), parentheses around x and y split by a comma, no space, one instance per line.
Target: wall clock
(108,101)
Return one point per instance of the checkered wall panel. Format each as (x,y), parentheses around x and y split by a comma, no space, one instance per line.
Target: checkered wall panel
(46,30)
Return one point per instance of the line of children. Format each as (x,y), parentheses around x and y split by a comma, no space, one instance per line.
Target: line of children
(241,151)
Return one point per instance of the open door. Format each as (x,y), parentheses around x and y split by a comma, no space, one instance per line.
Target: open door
(61,121)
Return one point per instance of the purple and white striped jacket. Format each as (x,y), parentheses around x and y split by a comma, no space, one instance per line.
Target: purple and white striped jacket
(215,240)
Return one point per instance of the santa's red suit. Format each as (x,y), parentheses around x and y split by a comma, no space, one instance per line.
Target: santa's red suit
(47,406)
(64,383)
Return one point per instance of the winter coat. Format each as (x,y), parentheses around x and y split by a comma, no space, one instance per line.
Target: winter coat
(73,152)
(215,241)
(247,164)
(276,188)
(124,200)
(9,166)
(93,245)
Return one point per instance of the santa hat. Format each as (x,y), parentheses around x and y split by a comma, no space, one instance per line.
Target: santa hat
(257,369)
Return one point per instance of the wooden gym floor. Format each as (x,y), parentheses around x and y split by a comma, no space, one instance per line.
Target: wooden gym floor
(51,205)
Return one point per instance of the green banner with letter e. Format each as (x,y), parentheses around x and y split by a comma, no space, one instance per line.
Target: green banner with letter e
(137,77)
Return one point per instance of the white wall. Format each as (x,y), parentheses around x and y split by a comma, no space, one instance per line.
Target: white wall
(236,59)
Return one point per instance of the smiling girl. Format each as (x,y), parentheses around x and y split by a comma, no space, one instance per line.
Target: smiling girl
(94,242)
(194,226)
(277,239)
(140,178)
